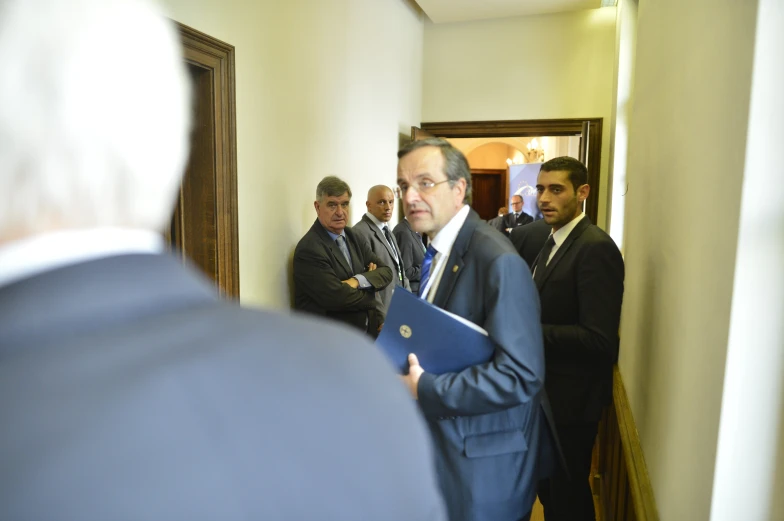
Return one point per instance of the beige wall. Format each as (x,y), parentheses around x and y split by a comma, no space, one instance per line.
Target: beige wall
(322,88)
(535,67)
(491,155)
(685,171)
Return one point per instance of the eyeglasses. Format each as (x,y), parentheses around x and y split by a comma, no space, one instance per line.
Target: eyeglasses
(421,187)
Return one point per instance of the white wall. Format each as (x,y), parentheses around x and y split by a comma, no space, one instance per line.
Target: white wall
(322,88)
(532,67)
(749,477)
(623,99)
(685,172)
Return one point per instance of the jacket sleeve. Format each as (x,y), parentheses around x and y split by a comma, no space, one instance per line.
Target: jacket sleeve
(599,272)
(316,276)
(515,375)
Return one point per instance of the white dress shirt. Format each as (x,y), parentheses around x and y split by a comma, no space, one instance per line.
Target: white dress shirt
(381,225)
(34,255)
(443,243)
(563,232)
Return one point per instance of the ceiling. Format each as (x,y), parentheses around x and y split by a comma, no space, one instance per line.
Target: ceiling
(445,11)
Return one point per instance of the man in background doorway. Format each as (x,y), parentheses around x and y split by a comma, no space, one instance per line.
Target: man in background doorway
(579,274)
(130,390)
(373,229)
(516,217)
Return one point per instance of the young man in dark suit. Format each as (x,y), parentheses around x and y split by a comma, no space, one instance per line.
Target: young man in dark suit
(579,275)
(374,230)
(130,390)
(335,274)
(487,421)
(412,251)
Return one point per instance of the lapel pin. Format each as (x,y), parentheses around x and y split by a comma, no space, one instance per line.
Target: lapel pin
(455,268)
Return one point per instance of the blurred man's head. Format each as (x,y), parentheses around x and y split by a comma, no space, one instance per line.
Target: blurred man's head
(380,202)
(333,197)
(88,138)
(503,211)
(517,203)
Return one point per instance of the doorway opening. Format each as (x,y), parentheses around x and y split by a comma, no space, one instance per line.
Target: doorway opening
(588,133)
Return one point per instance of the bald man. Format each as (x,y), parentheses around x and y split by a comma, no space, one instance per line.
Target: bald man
(375,231)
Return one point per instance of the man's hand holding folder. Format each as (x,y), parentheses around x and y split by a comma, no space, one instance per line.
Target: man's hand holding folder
(419,336)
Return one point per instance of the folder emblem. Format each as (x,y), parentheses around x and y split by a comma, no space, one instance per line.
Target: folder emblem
(405,331)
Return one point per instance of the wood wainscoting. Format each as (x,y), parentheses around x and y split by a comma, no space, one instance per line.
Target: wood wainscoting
(620,476)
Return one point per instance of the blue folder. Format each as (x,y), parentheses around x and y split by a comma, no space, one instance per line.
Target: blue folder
(442,343)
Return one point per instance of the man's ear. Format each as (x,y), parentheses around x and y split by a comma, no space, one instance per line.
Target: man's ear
(582,192)
(461,186)
(316,206)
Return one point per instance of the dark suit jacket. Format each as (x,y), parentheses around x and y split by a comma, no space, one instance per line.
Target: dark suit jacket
(581,296)
(368,232)
(412,249)
(511,222)
(529,240)
(487,421)
(319,268)
(131,392)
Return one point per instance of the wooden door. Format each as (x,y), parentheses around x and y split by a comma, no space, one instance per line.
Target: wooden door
(204,224)
(487,187)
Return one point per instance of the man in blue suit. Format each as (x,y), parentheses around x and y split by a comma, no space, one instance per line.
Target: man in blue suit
(129,389)
(487,421)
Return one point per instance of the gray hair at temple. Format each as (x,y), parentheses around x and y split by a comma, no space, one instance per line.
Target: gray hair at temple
(87,137)
(331,186)
(455,163)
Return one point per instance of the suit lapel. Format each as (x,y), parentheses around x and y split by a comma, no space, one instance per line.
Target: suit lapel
(356,253)
(561,253)
(379,235)
(454,264)
(334,248)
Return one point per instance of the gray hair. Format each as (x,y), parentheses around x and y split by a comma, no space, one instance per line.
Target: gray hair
(455,164)
(84,142)
(332,186)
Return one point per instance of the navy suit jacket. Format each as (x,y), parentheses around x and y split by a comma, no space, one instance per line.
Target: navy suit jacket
(130,391)
(509,221)
(581,295)
(319,268)
(412,250)
(487,421)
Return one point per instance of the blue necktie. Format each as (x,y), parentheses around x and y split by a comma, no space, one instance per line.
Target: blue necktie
(344,250)
(426,262)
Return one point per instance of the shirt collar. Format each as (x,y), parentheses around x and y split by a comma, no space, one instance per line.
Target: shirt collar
(563,232)
(48,251)
(446,238)
(380,225)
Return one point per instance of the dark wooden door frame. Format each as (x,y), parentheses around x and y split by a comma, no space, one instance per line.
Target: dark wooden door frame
(217,57)
(592,149)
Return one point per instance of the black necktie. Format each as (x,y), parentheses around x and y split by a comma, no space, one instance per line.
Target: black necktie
(544,256)
(394,250)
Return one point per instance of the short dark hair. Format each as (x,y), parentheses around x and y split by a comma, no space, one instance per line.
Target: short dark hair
(578,174)
(455,164)
(332,186)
